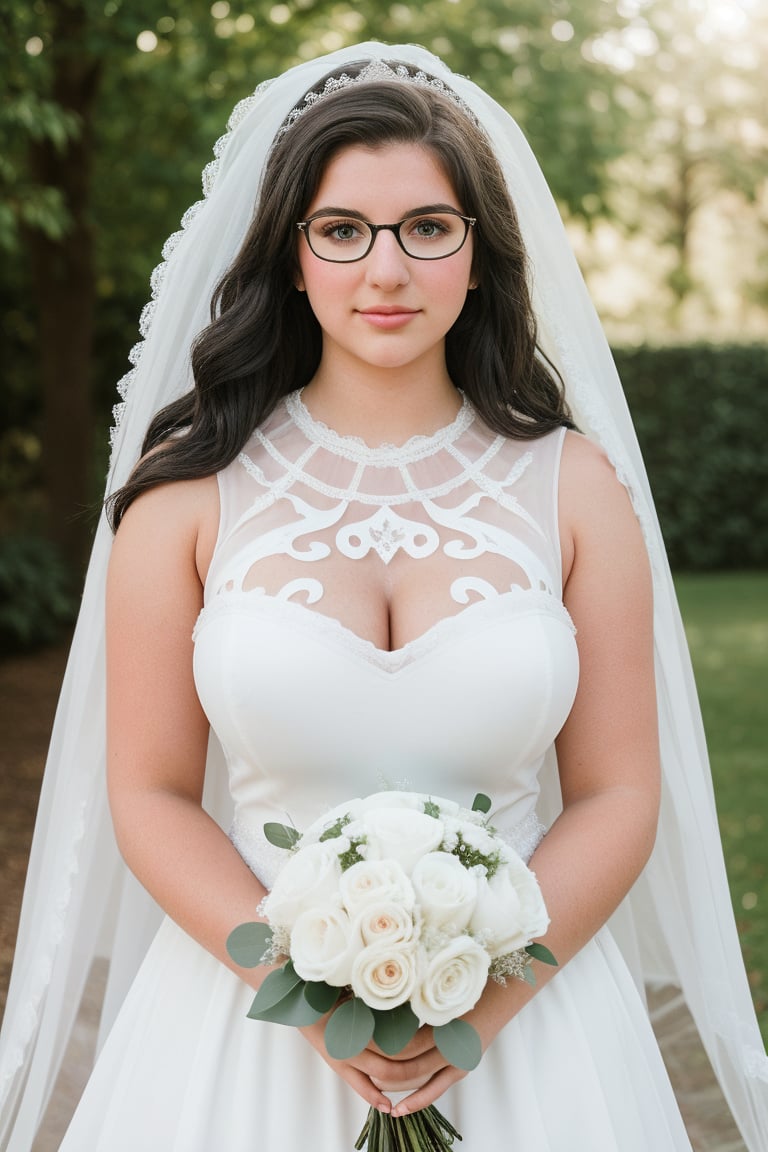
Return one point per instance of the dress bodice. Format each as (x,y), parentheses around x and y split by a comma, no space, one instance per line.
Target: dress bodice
(461,529)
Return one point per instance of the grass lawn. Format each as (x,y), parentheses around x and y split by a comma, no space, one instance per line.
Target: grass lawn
(726,619)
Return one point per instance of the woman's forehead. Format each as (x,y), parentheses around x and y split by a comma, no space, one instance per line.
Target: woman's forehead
(404,174)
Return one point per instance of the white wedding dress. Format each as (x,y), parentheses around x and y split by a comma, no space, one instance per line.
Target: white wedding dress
(310,714)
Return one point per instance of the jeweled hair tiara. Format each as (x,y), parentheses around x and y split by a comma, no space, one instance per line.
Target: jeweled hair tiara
(375,70)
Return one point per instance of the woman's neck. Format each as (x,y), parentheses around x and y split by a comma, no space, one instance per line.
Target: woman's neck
(385,408)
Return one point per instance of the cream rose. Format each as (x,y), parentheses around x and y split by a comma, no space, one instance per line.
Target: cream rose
(375,881)
(510,910)
(453,982)
(385,924)
(401,834)
(324,944)
(308,879)
(445,891)
(384,975)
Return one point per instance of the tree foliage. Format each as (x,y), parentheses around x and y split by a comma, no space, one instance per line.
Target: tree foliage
(102,182)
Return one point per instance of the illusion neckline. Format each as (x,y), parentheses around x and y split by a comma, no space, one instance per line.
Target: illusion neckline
(354,448)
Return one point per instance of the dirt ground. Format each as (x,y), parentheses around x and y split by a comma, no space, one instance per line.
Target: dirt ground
(28,690)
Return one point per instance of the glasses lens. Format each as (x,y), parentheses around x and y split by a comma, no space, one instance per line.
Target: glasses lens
(337,238)
(434,236)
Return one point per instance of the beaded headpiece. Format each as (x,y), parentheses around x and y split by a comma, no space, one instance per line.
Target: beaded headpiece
(375,70)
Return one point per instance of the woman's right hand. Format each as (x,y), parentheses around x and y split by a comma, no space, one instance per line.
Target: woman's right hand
(371,1072)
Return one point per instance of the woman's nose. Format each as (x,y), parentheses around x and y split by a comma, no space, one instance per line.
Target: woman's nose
(386,264)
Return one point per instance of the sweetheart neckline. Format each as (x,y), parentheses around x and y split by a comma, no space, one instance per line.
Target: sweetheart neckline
(526,600)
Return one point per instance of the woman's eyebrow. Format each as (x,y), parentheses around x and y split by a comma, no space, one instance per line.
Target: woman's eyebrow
(421,211)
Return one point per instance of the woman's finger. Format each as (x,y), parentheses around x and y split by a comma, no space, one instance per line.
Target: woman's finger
(430,1092)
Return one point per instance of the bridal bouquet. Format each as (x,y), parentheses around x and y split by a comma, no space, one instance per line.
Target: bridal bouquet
(391,912)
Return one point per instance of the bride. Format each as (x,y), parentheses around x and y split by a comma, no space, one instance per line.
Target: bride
(370,548)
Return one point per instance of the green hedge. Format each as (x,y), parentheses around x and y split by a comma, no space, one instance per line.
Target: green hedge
(701,413)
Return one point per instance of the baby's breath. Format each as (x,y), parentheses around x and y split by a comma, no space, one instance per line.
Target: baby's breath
(472,857)
(513,964)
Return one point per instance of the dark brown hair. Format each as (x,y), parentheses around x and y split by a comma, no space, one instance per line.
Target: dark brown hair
(264,341)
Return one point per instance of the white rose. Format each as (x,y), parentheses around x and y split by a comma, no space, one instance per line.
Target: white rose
(385,923)
(324,943)
(446,892)
(384,975)
(393,799)
(309,878)
(453,982)
(479,839)
(375,880)
(510,910)
(401,834)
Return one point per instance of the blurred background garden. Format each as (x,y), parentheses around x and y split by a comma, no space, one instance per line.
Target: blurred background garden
(648,118)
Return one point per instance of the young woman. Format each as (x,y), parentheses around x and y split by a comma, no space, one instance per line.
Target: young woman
(368,548)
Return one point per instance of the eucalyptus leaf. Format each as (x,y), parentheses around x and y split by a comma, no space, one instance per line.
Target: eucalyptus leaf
(349,1029)
(459,1043)
(481,803)
(540,952)
(293,1010)
(395,1028)
(247,943)
(320,995)
(275,987)
(281,835)
(529,976)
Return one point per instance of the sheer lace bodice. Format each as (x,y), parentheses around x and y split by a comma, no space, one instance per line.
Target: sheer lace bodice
(447,547)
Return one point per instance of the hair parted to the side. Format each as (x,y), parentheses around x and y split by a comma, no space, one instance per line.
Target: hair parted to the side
(264,341)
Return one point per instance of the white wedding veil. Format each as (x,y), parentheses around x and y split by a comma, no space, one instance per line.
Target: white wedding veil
(677,925)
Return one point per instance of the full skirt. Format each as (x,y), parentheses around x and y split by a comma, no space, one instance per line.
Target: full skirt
(184,1070)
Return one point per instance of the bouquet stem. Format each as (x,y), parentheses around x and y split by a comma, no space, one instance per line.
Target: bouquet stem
(424,1131)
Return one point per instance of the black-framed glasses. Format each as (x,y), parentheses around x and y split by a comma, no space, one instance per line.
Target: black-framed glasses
(343,237)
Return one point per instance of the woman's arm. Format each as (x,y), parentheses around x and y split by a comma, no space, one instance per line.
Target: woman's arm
(157,732)
(607,751)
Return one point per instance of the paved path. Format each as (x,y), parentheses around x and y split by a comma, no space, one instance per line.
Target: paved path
(28,690)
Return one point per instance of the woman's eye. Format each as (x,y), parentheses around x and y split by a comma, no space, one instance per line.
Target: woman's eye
(340,230)
(427,228)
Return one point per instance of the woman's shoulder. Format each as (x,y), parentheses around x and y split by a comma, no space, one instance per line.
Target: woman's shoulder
(596,516)
(178,519)
(585,468)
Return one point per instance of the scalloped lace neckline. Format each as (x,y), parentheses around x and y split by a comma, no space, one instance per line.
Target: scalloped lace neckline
(516,601)
(384,455)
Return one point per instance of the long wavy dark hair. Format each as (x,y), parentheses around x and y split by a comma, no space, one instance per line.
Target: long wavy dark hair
(263,340)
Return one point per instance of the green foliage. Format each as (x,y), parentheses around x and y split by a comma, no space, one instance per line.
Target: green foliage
(281,1000)
(36,601)
(247,943)
(542,953)
(349,1029)
(395,1028)
(459,1043)
(701,413)
(281,835)
(726,622)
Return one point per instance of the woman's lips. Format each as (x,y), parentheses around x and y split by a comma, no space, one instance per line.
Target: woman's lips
(388,316)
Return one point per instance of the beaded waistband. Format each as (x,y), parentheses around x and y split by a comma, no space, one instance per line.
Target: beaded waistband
(265,860)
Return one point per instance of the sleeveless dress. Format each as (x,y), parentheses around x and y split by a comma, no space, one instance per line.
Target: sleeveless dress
(309,714)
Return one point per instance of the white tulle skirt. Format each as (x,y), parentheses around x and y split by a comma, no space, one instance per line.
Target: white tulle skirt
(184,1070)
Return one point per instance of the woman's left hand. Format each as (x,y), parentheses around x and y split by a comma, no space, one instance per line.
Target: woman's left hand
(433,1075)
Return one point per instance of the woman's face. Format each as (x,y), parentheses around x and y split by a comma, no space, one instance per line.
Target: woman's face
(387,310)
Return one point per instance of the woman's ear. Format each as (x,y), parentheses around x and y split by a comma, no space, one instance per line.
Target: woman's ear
(298,282)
